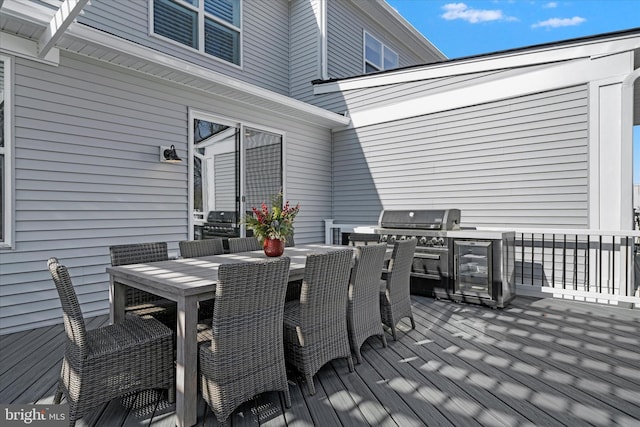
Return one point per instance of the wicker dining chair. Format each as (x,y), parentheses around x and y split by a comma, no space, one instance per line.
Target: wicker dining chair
(363,308)
(138,301)
(290,242)
(244,244)
(395,302)
(200,248)
(246,355)
(315,326)
(112,361)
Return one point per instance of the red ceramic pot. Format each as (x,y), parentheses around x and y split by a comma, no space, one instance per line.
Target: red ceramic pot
(273,247)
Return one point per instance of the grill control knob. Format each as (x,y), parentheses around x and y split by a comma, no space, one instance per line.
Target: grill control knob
(403,237)
(392,239)
(441,241)
(383,238)
(423,240)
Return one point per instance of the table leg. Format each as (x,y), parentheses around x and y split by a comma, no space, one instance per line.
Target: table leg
(117,296)
(187,362)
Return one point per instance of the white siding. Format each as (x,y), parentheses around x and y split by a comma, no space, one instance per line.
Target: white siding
(520,162)
(358,99)
(345,30)
(305,56)
(265,50)
(87,176)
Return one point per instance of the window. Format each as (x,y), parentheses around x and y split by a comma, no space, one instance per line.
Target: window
(377,56)
(5,152)
(209,26)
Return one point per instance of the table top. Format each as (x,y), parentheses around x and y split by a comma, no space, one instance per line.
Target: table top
(193,276)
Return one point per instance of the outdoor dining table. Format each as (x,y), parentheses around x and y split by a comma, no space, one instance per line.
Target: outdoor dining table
(188,281)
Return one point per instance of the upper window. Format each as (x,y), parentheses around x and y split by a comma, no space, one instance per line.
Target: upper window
(5,152)
(209,26)
(377,56)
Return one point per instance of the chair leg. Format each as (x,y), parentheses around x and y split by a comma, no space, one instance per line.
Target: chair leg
(358,356)
(413,322)
(171,394)
(350,362)
(58,396)
(393,332)
(312,388)
(384,340)
(287,398)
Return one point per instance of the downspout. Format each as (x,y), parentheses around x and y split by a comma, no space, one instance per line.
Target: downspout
(324,66)
(626,169)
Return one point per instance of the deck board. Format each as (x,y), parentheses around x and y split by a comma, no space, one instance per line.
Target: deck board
(538,362)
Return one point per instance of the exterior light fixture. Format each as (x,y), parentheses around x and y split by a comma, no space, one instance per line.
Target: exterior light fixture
(169,155)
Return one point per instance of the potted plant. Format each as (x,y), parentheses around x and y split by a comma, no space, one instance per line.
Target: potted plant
(273,225)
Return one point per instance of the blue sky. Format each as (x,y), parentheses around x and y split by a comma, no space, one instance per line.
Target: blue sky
(465,28)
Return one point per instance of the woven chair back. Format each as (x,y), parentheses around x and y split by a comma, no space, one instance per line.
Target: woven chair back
(365,275)
(249,307)
(324,289)
(243,244)
(398,279)
(200,248)
(138,253)
(72,314)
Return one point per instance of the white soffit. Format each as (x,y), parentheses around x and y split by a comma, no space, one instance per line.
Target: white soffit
(96,44)
(549,54)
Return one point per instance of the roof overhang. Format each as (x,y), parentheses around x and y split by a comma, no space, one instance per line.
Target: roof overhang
(591,47)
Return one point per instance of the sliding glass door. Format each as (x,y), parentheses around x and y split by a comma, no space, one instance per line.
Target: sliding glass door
(235,168)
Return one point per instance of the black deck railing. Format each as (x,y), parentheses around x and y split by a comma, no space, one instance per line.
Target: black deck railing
(582,263)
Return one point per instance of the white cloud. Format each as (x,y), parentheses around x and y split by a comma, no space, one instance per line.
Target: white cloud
(559,22)
(462,11)
(551,5)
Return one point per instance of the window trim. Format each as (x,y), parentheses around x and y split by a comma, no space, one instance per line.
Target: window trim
(201,19)
(383,46)
(7,151)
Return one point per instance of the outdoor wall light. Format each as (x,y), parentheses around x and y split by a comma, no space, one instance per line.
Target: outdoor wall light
(169,155)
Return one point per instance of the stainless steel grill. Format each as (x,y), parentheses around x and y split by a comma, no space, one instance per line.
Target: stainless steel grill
(430,269)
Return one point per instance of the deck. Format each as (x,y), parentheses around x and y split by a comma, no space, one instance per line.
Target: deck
(542,362)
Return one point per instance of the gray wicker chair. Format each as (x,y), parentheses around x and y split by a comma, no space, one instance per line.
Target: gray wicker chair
(244,244)
(359,239)
(199,248)
(363,308)
(290,242)
(395,302)
(137,301)
(246,354)
(102,364)
(315,326)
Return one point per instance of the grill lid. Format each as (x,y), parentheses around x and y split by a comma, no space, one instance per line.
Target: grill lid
(426,219)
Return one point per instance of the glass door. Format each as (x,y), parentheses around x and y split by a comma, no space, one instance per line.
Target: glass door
(235,168)
(262,170)
(472,267)
(216,186)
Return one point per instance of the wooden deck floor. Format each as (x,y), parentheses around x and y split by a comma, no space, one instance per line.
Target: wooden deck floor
(542,362)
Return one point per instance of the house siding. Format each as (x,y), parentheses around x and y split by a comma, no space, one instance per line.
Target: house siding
(305,47)
(362,99)
(520,162)
(265,46)
(88,175)
(345,26)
